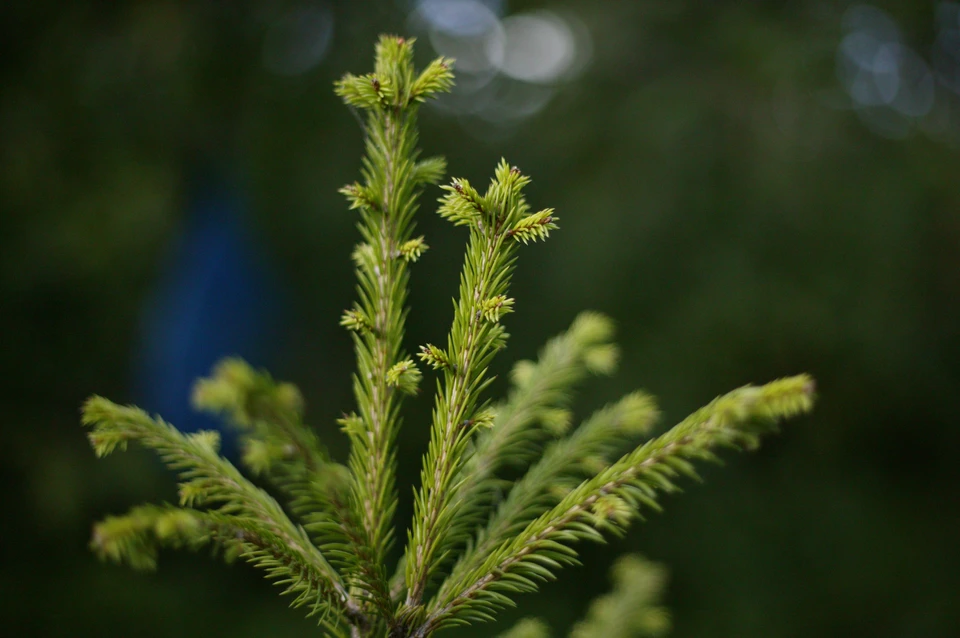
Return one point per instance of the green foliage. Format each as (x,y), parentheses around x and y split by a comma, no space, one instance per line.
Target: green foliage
(631,609)
(528,628)
(467,553)
(240,512)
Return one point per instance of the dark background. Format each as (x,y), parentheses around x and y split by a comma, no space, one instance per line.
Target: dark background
(751,189)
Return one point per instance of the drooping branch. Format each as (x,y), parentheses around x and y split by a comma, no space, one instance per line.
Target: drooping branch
(209,479)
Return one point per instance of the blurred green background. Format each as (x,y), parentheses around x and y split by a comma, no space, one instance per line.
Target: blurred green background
(751,189)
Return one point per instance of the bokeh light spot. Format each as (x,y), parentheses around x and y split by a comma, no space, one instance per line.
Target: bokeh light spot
(541,47)
(299,40)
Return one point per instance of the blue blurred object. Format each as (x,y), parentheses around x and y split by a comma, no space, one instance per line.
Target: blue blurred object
(216,297)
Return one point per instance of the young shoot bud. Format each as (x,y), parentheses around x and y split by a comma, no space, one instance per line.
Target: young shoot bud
(412,249)
(405,376)
(356,321)
(495,306)
(535,227)
(434,357)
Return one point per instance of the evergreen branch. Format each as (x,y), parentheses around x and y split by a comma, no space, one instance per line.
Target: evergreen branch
(135,538)
(534,411)
(269,416)
(609,500)
(536,407)
(541,394)
(209,479)
(632,608)
(282,563)
(276,443)
(471,345)
(585,452)
(386,201)
(573,492)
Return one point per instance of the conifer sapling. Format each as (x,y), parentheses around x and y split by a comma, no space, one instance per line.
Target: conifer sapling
(476,541)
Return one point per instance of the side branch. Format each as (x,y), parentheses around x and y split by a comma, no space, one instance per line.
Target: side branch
(207,478)
(536,408)
(560,469)
(612,498)
(534,412)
